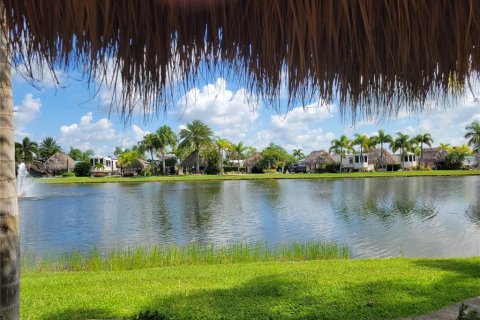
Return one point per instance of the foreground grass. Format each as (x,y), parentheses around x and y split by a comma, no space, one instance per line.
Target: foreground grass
(193,254)
(330,289)
(263,176)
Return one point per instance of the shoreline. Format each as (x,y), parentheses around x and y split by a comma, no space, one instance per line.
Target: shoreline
(271,176)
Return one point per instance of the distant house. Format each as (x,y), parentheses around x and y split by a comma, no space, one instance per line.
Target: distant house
(375,158)
(251,163)
(136,167)
(408,161)
(356,162)
(470,162)
(109,166)
(433,158)
(316,159)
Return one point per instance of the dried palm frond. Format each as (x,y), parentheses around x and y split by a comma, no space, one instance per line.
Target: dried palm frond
(375,56)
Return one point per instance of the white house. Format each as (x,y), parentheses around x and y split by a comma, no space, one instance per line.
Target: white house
(357,162)
(110,165)
(470,162)
(408,160)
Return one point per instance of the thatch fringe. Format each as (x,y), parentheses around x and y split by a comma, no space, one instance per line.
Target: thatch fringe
(374,55)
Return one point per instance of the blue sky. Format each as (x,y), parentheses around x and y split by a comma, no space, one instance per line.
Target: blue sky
(75,116)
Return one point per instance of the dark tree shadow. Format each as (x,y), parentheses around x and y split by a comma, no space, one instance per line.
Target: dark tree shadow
(80,314)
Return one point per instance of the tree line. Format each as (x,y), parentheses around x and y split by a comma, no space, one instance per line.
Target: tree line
(197,139)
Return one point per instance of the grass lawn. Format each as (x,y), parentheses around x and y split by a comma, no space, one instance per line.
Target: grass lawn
(331,289)
(262,176)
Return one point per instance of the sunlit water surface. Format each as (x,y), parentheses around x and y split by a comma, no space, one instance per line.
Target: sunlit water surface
(431,216)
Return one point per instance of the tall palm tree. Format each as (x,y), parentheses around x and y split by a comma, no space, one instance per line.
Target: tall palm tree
(9,229)
(196,135)
(382,138)
(222,145)
(446,146)
(402,143)
(298,153)
(341,147)
(363,142)
(27,149)
(166,138)
(48,147)
(421,139)
(239,150)
(473,136)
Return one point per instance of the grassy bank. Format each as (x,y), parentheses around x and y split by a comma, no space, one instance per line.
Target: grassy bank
(193,254)
(329,289)
(263,176)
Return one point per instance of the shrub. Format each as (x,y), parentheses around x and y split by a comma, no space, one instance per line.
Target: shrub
(128,174)
(149,315)
(269,170)
(332,167)
(68,174)
(147,172)
(82,169)
(233,169)
(99,174)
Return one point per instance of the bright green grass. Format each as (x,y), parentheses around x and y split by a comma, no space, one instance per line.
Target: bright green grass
(193,254)
(328,289)
(263,176)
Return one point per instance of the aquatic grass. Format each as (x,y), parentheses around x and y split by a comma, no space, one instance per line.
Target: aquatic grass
(204,177)
(192,254)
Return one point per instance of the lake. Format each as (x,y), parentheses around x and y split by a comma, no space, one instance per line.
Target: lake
(374,217)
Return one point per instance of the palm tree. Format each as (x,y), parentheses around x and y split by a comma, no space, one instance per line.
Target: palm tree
(340,147)
(118,151)
(298,153)
(473,136)
(222,145)
(26,150)
(166,138)
(382,138)
(196,135)
(239,150)
(402,142)
(363,142)
(149,143)
(421,139)
(48,147)
(78,155)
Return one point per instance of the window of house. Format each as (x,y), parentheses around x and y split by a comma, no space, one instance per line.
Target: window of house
(357,159)
(350,160)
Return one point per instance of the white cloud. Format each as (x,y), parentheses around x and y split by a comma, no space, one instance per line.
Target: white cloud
(25,114)
(100,136)
(299,128)
(230,114)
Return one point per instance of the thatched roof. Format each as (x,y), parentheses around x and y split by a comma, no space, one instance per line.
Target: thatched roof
(37,167)
(252,160)
(190,161)
(59,162)
(374,157)
(138,164)
(373,55)
(319,157)
(434,155)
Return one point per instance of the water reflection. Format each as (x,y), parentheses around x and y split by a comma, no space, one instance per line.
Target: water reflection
(375,217)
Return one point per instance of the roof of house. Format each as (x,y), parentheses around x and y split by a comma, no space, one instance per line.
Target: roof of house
(375,157)
(319,157)
(190,161)
(60,161)
(253,160)
(434,155)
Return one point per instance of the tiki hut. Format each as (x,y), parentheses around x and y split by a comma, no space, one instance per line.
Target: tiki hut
(433,158)
(316,159)
(190,162)
(59,163)
(37,168)
(375,158)
(136,167)
(250,163)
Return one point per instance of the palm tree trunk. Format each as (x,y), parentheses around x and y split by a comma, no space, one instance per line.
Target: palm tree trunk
(381,154)
(197,162)
(9,231)
(238,164)
(163,163)
(421,154)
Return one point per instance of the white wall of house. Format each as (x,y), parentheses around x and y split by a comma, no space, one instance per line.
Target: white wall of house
(409,160)
(110,165)
(470,162)
(354,162)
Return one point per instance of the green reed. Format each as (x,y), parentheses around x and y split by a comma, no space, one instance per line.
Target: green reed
(192,254)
